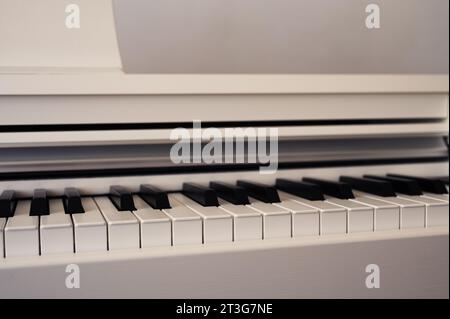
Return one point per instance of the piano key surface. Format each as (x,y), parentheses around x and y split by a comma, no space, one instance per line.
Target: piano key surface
(370,186)
(56,230)
(2,227)
(386,215)
(155,225)
(90,228)
(332,188)
(72,201)
(301,189)
(121,197)
(305,219)
(203,195)
(443,197)
(412,214)
(333,218)
(7,203)
(434,186)
(276,219)
(247,223)
(153,196)
(186,224)
(360,217)
(234,194)
(400,185)
(104,227)
(437,211)
(217,224)
(262,192)
(123,227)
(22,232)
(39,203)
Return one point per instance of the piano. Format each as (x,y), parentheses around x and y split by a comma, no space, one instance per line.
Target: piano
(357,207)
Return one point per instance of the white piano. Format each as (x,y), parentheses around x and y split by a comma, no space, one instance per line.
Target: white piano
(358,207)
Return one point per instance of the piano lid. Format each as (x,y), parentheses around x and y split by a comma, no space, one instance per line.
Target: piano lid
(282,37)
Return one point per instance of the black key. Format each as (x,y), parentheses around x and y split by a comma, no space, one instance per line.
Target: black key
(426,184)
(335,189)
(8,203)
(203,195)
(72,201)
(121,198)
(234,194)
(371,186)
(300,189)
(264,193)
(39,203)
(400,185)
(443,179)
(155,197)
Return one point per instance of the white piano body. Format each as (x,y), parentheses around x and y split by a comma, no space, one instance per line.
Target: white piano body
(70,117)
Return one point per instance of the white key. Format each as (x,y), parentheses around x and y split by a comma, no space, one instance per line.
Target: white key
(333,218)
(276,220)
(386,215)
(436,210)
(2,226)
(56,230)
(156,228)
(186,225)
(22,232)
(123,227)
(412,214)
(305,219)
(217,224)
(90,228)
(360,217)
(247,223)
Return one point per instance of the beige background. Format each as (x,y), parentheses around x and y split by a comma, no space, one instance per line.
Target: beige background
(33,36)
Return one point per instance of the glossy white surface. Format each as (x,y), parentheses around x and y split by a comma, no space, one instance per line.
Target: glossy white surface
(155,226)
(90,228)
(123,227)
(22,232)
(56,230)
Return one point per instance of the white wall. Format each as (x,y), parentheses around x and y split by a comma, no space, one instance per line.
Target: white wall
(33,33)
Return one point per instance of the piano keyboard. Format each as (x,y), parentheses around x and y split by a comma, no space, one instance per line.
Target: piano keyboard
(217,213)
